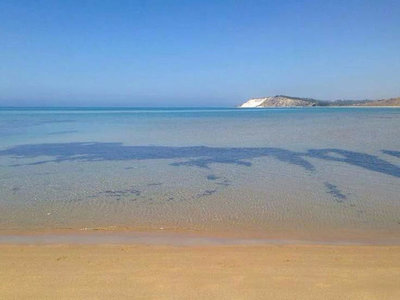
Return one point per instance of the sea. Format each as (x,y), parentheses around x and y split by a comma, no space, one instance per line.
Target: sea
(309,174)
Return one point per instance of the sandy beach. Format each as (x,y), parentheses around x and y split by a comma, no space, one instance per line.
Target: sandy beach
(200,150)
(198,272)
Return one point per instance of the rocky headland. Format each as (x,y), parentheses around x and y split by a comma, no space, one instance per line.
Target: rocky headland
(288,101)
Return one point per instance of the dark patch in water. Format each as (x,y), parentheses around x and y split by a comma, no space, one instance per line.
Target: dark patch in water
(225,182)
(117,151)
(219,180)
(207,193)
(392,153)
(362,160)
(333,190)
(15,189)
(212,177)
(198,156)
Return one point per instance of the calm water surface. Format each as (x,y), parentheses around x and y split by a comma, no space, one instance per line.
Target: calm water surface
(312,173)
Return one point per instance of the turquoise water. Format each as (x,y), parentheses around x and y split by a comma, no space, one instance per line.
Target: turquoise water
(312,173)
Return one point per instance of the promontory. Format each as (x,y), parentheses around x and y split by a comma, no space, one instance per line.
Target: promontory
(288,101)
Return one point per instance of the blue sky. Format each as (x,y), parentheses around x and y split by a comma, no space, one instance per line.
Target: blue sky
(196,53)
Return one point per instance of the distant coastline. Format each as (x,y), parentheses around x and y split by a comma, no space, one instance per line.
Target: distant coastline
(289,101)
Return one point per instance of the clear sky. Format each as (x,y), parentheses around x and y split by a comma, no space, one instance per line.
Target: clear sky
(196,53)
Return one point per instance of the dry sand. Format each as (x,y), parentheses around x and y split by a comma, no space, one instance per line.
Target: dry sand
(199,272)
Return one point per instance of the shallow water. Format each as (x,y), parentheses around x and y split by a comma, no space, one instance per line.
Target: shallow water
(312,173)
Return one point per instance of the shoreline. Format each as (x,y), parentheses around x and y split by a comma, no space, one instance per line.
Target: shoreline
(161,237)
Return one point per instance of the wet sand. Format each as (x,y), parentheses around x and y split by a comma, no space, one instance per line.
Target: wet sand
(119,271)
